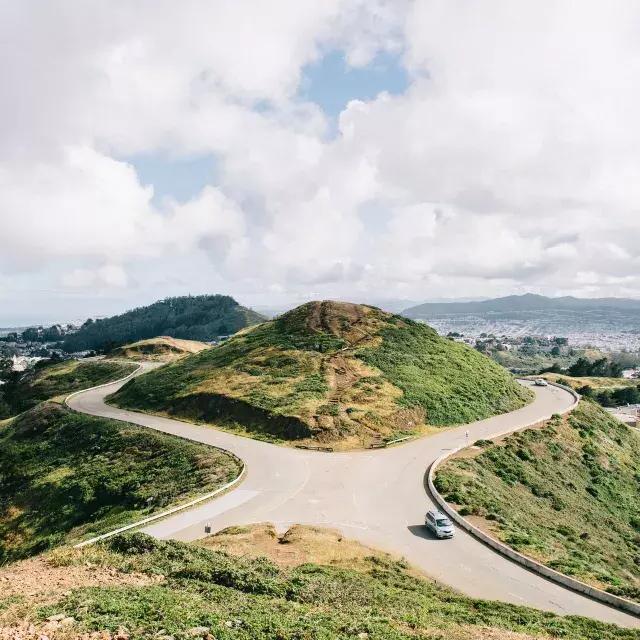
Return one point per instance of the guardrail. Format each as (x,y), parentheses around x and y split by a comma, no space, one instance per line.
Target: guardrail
(168,512)
(503,549)
(172,510)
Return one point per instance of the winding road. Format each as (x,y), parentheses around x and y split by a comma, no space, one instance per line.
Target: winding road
(377,497)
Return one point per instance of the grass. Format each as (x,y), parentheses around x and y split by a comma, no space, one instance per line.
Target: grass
(254,598)
(46,382)
(531,363)
(453,383)
(598,383)
(566,495)
(160,349)
(65,476)
(333,373)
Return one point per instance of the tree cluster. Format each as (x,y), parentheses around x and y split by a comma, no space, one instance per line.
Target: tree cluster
(189,317)
(612,397)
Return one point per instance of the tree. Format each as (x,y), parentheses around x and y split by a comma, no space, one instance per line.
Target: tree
(31,334)
(6,367)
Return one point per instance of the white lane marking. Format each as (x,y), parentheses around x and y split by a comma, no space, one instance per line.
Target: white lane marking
(205,512)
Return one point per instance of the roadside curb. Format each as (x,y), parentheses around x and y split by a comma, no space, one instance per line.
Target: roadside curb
(503,549)
(172,510)
(99,386)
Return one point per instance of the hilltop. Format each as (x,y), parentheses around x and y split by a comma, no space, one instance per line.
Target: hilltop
(248,583)
(187,317)
(333,373)
(565,494)
(160,349)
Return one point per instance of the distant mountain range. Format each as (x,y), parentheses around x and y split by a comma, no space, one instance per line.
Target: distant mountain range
(595,318)
(526,302)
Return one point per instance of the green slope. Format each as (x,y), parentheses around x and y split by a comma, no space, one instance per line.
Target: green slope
(330,372)
(210,594)
(25,390)
(567,495)
(64,475)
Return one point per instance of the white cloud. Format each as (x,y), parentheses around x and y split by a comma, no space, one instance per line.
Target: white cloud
(511,163)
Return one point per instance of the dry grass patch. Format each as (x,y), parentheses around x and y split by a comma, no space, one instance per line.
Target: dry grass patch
(160,349)
(300,544)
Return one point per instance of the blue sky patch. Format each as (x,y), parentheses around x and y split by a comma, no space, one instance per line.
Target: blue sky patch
(178,178)
(331,82)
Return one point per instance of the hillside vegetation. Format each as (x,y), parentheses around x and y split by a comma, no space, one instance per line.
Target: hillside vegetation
(65,475)
(160,349)
(609,392)
(567,495)
(136,587)
(187,317)
(24,390)
(330,372)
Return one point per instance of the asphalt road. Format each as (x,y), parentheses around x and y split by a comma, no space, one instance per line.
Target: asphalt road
(377,497)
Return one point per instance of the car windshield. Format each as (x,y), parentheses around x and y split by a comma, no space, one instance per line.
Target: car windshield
(443,522)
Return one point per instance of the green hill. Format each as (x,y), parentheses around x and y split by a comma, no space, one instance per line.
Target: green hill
(65,475)
(330,372)
(567,495)
(24,390)
(188,317)
(133,586)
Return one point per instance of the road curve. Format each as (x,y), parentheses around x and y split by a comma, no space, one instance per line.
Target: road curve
(377,497)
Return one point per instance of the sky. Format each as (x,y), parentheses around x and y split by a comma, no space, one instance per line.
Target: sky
(292,150)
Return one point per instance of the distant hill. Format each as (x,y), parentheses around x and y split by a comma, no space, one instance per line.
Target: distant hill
(534,314)
(333,373)
(187,317)
(160,349)
(526,302)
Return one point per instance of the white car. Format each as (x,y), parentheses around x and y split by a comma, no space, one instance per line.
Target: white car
(540,382)
(439,524)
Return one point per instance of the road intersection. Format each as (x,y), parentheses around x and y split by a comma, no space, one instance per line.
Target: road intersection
(375,496)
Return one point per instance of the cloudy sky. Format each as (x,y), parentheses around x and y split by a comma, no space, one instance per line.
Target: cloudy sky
(295,149)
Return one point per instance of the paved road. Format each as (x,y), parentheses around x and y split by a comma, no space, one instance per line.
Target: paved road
(377,497)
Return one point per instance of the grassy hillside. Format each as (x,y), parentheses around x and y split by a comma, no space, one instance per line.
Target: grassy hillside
(138,587)
(64,475)
(186,317)
(25,390)
(330,372)
(160,349)
(567,494)
(596,383)
(530,363)
(608,392)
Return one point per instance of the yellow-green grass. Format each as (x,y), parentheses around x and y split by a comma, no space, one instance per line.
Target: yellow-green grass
(332,373)
(591,381)
(160,349)
(567,494)
(329,589)
(66,475)
(59,380)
